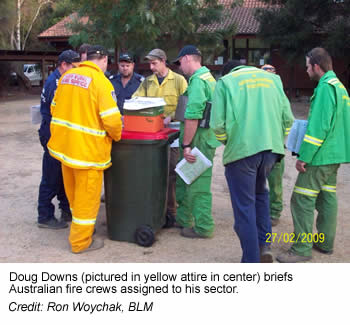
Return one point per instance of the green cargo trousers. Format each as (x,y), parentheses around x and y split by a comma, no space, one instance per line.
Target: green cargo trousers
(276,189)
(195,200)
(315,189)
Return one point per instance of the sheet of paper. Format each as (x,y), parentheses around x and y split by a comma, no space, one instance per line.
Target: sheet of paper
(138,103)
(190,172)
(296,135)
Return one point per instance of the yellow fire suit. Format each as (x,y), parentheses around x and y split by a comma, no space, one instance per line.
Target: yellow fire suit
(85,119)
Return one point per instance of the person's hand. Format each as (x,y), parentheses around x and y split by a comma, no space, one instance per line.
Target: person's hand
(188,156)
(300,166)
(166,121)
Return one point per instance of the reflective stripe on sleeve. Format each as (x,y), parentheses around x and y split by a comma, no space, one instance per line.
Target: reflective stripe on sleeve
(79,163)
(333,81)
(221,137)
(84,222)
(305,191)
(312,140)
(77,127)
(110,111)
(329,188)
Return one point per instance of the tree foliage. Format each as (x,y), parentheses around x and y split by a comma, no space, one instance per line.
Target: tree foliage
(138,24)
(296,26)
(22,20)
(7,19)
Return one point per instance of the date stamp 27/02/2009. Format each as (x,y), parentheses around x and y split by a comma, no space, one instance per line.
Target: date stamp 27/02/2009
(285,237)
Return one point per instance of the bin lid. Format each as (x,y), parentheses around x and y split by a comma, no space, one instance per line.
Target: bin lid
(163,134)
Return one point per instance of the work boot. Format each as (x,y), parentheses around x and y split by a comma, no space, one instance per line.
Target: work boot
(266,254)
(53,223)
(275,222)
(291,257)
(190,233)
(322,251)
(96,244)
(66,216)
(170,220)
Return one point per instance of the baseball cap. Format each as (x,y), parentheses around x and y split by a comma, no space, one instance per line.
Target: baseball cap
(69,56)
(97,49)
(269,68)
(156,54)
(187,50)
(125,57)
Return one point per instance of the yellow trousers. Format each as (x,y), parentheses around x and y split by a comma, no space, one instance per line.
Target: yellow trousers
(83,190)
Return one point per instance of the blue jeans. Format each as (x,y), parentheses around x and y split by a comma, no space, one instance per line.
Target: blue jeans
(246,179)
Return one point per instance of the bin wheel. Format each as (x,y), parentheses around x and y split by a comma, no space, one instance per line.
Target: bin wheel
(144,236)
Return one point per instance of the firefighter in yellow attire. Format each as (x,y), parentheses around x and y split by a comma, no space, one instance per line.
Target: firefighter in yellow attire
(85,120)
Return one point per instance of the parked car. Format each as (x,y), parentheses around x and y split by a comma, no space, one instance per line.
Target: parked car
(33,73)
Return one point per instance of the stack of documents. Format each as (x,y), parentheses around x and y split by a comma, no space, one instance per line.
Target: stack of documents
(189,172)
(296,135)
(138,103)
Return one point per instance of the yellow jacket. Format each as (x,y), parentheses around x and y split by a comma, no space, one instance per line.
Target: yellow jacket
(173,86)
(85,119)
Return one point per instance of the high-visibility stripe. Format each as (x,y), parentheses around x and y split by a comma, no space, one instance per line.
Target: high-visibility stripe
(305,191)
(315,144)
(109,112)
(221,136)
(346,97)
(329,188)
(287,131)
(245,71)
(206,76)
(312,140)
(333,81)
(84,222)
(77,127)
(80,163)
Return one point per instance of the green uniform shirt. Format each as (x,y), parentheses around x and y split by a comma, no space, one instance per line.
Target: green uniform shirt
(250,113)
(327,138)
(200,90)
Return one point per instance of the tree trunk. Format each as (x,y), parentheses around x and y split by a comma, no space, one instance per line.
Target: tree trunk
(18,26)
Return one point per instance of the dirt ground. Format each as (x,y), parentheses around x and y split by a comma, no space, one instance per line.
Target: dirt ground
(22,241)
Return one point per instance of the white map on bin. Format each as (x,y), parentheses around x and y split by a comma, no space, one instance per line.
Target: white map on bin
(138,103)
(190,172)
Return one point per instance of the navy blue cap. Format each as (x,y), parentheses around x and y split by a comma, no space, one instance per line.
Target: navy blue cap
(125,57)
(69,56)
(187,50)
(97,49)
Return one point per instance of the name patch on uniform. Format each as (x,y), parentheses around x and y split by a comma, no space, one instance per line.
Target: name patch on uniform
(76,80)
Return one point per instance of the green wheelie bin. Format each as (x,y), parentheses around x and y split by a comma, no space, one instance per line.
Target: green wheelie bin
(136,185)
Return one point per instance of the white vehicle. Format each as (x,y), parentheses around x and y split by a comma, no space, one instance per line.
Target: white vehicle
(33,73)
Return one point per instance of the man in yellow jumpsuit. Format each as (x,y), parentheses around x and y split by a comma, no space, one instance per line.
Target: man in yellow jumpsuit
(85,120)
(169,85)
